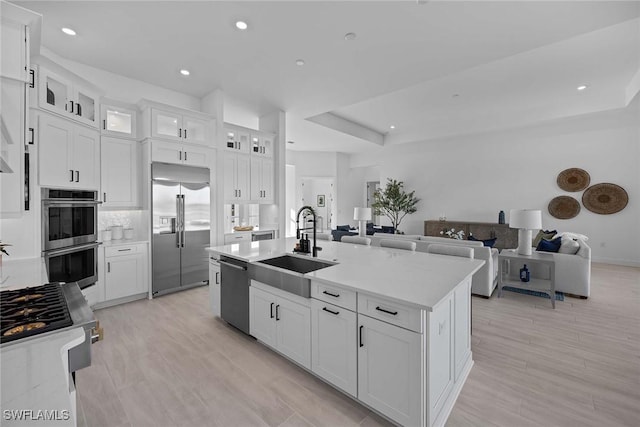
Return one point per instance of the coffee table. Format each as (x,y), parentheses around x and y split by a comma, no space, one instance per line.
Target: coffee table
(509,264)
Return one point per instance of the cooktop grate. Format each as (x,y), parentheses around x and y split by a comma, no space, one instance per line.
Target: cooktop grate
(30,311)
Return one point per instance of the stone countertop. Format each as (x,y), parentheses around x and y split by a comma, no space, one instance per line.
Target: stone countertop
(414,278)
(21,273)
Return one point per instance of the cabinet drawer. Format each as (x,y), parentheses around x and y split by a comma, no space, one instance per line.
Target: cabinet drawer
(121,250)
(236,238)
(391,312)
(334,295)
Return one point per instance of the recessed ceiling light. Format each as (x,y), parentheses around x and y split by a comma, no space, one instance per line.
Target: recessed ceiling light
(392,127)
(241,25)
(455,95)
(350,36)
(291,142)
(299,62)
(184,72)
(68,31)
(582,87)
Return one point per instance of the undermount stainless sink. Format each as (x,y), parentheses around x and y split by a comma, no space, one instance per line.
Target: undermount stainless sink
(286,273)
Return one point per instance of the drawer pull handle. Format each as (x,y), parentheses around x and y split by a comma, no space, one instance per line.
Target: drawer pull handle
(124,250)
(393,313)
(331,295)
(331,311)
(278,312)
(360,336)
(271,310)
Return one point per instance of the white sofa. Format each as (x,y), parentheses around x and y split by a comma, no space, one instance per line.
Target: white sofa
(573,272)
(484,281)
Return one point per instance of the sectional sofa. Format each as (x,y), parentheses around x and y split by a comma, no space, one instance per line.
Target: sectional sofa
(572,271)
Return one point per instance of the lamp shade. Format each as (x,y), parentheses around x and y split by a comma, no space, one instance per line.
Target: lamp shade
(362,214)
(528,219)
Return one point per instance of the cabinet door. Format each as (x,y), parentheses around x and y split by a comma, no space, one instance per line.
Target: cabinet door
(389,370)
(197,156)
(333,342)
(12,141)
(256,178)
(119,121)
(462,327)
(85,106)
(119,167)
(243,139)
(243,172)
(123,276)
(230,189)
(440,356)
(86,158)
(197,131)
(54,92)
(267,181)
(54,151)
(262,319)
(14,49)
(267,142)
(166,125)
(214,288)
(166,152)
(293,329)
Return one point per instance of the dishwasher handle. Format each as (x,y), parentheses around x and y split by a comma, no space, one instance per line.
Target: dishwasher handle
(237,267)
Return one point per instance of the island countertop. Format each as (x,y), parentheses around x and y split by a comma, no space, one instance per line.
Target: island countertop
(414,278)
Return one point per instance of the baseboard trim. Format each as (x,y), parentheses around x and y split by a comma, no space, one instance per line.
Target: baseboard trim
(613,261)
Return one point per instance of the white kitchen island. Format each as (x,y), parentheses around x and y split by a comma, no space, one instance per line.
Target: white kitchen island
(389,327)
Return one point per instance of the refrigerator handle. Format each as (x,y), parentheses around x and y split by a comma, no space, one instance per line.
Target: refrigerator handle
(182,240)
(178,221)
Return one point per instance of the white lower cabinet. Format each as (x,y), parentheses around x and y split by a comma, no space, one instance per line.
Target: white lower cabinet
(214,286)
(282,324)
(440,357)
(126,271)
(390,370)
(333,342)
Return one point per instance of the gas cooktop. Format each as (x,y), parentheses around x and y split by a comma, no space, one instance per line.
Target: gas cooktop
(30,311)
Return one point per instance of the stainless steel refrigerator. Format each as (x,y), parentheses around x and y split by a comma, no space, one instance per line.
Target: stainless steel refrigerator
(181,226)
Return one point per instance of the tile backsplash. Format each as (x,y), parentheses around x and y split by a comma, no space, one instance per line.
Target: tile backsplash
(127,219)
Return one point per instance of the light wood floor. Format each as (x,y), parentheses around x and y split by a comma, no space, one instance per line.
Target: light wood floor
(168,362)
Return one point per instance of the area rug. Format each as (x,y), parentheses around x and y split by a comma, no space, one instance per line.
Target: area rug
(559,295)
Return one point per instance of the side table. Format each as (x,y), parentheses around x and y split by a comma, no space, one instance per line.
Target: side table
(509,264)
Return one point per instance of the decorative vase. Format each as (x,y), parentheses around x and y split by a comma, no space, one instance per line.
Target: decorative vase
(501,217)
(525,275)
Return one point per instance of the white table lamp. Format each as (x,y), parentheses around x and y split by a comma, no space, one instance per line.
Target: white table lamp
(363,215)
(525,220)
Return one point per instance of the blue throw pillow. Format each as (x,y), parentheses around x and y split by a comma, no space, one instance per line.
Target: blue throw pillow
(488,243)
(549,245)
(388,229)
(343,228)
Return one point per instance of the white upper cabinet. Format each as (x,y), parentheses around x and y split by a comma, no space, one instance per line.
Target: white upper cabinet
(261,180)
(15,53)
(69,154)
(119,120)
(62,95)
(177,125)
(237,140)
(119,167)
(236,177)
(182,154)
(262,144)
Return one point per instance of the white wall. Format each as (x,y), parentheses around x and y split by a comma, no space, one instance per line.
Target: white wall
(474,177)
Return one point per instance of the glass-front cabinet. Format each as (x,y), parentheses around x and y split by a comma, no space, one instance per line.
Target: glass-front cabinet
(63,96)
(178,127)
(166,125)
(119,120)
(262,144)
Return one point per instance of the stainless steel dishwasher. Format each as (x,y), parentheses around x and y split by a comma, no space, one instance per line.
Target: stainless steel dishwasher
(234,293)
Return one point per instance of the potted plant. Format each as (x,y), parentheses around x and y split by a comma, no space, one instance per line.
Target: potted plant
(394,203)
(3,251)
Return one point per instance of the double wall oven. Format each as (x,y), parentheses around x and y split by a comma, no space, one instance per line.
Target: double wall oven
(70,235)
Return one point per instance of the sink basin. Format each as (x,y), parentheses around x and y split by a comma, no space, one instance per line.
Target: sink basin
(297,264)
(286,273)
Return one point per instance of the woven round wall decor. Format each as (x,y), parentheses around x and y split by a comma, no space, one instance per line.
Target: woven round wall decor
(605,199)
(573,179)
(564,207)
